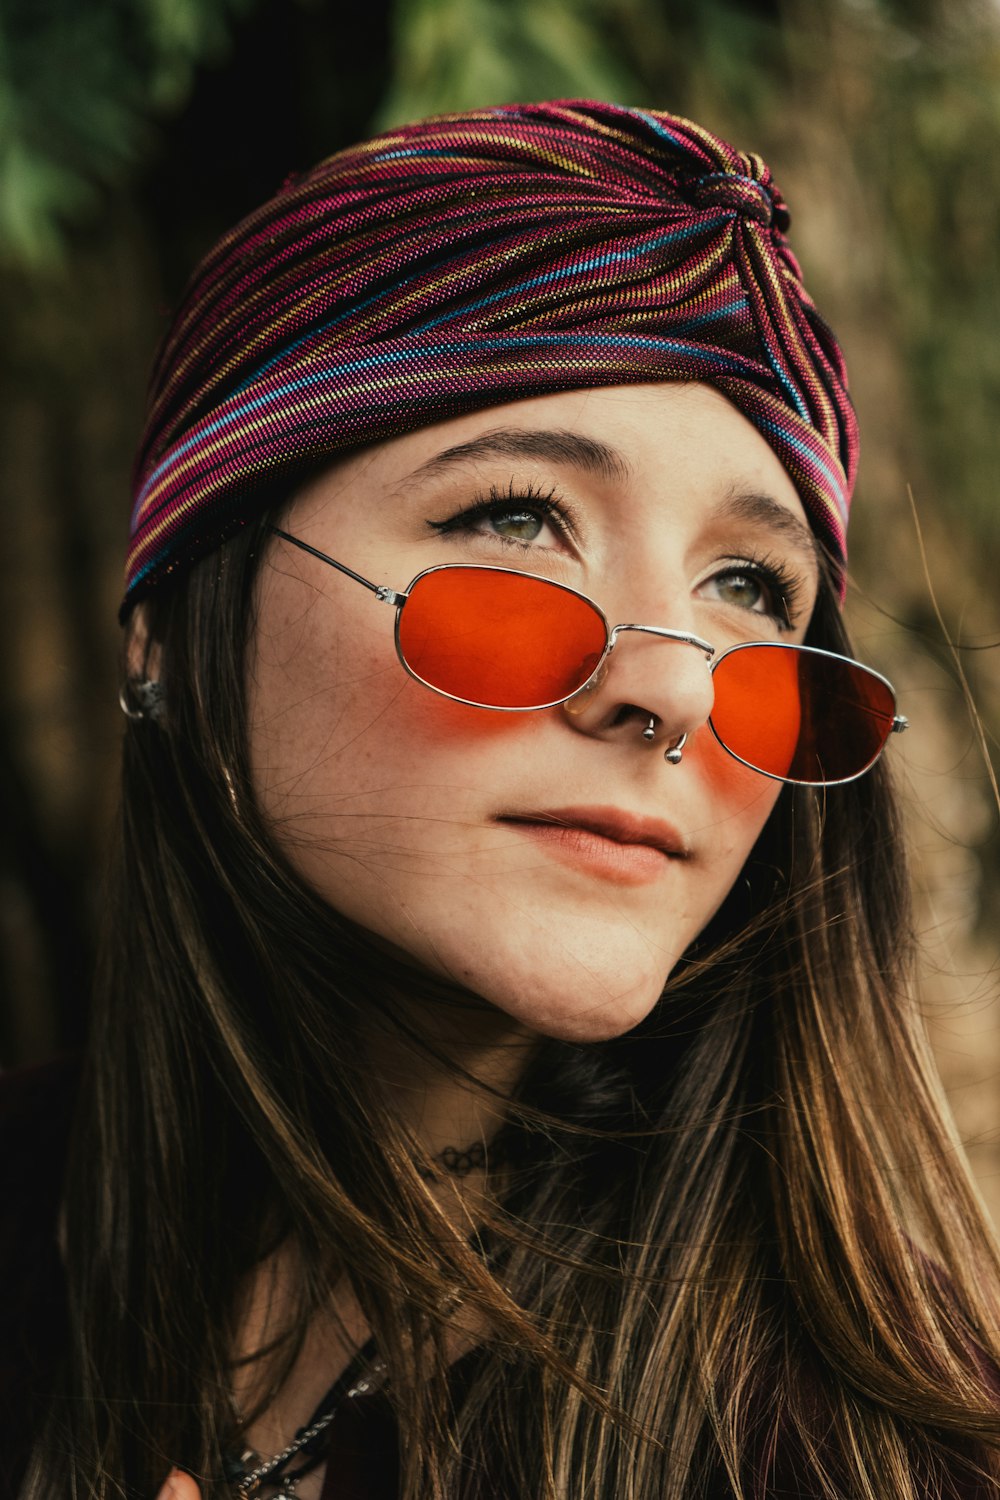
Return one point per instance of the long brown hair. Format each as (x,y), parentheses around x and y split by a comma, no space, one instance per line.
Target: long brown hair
(737,1252)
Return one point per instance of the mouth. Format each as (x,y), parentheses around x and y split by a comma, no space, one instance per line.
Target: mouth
(605,841)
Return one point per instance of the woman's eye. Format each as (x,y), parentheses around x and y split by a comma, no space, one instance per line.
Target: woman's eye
(517,526)
(520,520)
(761,588)
(745,590)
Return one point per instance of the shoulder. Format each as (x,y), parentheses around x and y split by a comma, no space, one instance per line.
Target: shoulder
(36,1109)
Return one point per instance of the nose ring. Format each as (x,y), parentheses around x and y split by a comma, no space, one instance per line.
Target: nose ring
(674,752)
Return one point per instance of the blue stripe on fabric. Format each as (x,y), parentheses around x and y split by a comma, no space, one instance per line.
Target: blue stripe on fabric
(460,257)
(595,264)
(414,151)
(374,361)
(836,479)
(304,338)
(661,130)
(790,390)
(740,305)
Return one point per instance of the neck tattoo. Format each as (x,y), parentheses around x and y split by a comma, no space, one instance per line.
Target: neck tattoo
(461,1161)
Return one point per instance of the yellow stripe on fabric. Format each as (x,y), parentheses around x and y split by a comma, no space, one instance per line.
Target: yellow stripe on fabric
(293,409)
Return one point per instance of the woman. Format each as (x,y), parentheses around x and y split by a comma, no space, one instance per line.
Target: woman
(504,1080)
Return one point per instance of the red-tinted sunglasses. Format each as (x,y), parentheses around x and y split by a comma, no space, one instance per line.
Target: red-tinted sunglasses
(501,639)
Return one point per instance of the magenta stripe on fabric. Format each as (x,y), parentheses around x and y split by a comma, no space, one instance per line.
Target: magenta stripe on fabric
(467,261)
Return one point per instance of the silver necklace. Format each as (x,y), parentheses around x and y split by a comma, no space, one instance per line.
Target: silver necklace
(250,1471)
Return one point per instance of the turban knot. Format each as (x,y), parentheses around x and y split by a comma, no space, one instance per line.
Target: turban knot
(754,199)
(468,261)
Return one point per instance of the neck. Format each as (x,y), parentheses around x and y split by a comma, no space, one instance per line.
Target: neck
(453,1093)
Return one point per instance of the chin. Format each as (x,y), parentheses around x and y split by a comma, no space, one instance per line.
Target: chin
(581,1017)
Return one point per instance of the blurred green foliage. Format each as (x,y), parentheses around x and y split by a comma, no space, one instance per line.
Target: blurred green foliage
(938,157)
(464,54)
(80,87)
(457,54)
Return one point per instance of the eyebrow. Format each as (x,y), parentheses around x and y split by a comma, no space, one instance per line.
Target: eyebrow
(553,445)
(558,445)
(750,505)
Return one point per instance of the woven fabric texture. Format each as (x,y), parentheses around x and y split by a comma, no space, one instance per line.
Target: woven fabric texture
(471,260)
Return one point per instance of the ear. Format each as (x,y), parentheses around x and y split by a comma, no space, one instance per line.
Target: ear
(143,654)
(142,695)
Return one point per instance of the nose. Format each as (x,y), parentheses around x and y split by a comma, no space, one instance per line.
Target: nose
(654,683)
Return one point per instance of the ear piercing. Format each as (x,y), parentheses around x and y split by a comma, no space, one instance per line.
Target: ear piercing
(142,699)
(674,752)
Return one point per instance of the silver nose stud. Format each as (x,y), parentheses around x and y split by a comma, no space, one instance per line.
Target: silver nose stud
(674,752)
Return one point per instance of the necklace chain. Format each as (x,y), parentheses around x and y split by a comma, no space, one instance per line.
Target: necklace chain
(457,1162)
(251,1482)
(247,1481)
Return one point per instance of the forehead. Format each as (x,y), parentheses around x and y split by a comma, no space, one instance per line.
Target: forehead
(661,453)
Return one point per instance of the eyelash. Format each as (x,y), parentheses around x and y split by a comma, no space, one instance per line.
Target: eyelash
(783,586)
(545,504)
(774,575)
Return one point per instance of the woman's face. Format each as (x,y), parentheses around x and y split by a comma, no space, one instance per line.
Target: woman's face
(551,861)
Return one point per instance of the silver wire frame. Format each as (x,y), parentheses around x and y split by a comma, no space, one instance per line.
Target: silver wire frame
(398,598)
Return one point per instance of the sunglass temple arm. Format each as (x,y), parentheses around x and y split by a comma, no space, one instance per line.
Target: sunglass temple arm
(381,591)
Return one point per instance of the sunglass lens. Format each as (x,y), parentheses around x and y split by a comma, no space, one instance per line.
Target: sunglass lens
(499,639)
(801,714)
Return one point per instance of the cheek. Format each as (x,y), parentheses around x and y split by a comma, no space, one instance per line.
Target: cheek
(741,802)
(743,797)
(339,730)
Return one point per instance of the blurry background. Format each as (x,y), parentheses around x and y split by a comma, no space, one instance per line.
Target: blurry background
(132,132)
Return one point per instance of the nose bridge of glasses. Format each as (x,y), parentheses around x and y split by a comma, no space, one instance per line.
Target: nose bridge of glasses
(681,636)
(670,687)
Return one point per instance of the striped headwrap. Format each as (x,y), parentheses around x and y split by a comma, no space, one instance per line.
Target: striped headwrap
(471,260)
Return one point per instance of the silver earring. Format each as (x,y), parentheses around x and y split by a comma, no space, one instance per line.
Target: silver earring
(148,700)
(650,730)
(674,752)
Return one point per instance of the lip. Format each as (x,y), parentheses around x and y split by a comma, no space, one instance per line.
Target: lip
(606,841)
